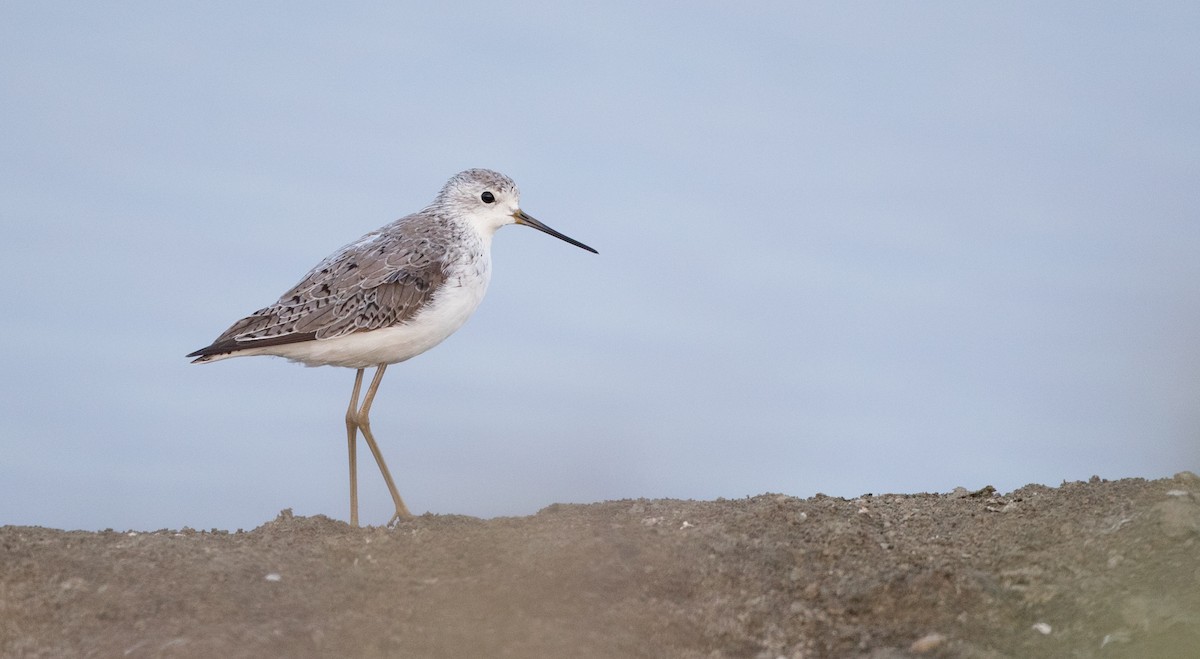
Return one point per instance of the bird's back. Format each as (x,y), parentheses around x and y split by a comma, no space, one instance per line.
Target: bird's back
(408,285)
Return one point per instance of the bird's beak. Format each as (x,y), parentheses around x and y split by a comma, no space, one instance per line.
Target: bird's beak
(522,218)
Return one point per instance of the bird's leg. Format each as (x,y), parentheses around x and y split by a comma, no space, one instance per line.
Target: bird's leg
(352,445)
(364,424)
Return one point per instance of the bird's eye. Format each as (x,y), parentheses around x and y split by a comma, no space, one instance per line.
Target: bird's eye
(487,197)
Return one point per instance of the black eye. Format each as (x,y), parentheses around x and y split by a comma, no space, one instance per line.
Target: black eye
(487,197)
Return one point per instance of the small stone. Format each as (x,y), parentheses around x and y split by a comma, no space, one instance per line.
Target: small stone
(927,643)
(985,491)
(274,576)
(1042,628)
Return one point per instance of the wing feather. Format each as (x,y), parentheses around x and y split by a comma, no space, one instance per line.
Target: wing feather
(382,280)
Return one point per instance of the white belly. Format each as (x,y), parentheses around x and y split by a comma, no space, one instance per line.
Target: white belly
(446,312)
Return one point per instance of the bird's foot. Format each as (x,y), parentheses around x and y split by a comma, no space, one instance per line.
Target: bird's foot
(400,516)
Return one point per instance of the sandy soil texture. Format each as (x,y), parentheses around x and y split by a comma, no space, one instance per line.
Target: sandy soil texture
(1095,569)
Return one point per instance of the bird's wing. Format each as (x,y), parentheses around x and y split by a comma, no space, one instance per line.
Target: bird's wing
(381,280)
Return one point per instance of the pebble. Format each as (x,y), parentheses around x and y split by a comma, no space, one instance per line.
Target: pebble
(927,643)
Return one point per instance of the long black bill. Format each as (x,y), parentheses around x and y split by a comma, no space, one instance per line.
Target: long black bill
(523,218)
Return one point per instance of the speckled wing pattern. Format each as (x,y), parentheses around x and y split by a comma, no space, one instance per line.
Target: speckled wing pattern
(381,280)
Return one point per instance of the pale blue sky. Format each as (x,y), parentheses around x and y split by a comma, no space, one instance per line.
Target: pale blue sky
(843,249)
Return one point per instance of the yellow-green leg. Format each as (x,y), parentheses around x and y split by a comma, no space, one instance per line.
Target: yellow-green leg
(363,421)
(352,445)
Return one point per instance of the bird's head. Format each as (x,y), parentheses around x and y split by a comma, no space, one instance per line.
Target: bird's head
(491,200)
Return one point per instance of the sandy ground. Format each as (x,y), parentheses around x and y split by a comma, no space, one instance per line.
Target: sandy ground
(1096,569)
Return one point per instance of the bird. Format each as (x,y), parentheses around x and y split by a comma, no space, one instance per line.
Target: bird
(387,297)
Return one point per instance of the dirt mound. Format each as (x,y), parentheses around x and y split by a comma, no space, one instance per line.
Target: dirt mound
(1096,569)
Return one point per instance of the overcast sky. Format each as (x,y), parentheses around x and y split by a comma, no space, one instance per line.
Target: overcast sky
(844,248)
